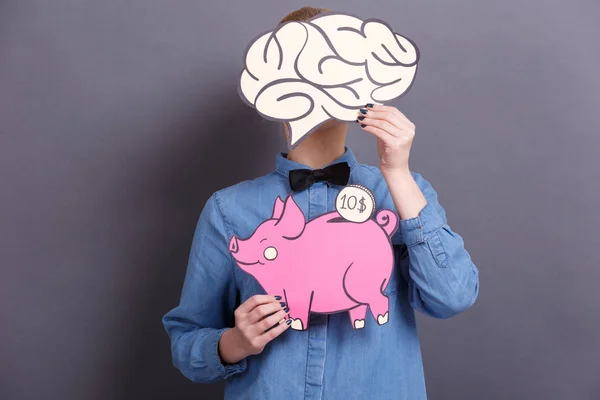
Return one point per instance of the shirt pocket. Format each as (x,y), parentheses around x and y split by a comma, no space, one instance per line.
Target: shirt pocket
(436,246)
(400,257)
(392,287)
(399,275)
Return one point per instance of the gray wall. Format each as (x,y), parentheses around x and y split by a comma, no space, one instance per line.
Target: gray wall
(119,118)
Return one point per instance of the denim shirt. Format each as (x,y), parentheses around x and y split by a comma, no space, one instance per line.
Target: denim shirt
(433,273)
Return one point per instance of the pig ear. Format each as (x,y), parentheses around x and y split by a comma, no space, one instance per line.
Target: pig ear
(291,223)
(278,208)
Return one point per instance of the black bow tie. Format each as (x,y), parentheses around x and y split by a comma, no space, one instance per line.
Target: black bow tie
(337,174)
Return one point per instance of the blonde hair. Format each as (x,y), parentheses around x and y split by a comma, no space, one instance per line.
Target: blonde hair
(303,14)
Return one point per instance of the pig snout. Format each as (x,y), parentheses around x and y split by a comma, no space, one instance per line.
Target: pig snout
(234,246)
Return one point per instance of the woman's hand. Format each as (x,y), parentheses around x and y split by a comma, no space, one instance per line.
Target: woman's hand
(252,319)
(394,133)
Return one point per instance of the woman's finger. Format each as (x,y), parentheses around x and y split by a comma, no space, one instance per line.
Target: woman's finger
(386,116)
(272,320)
(277,330)
(255,301)
(264,310)
(383,125)
(393,110)
(385,137)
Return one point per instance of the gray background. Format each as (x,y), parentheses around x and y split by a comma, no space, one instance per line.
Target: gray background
(118,119)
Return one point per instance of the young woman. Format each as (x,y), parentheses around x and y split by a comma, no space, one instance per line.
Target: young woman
(224,328)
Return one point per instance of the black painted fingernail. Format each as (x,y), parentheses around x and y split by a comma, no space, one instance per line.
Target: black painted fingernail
(289,321)
(361,118)
(286,309)
(363,110)
(277,297)
(282,304)
(362,125)
(370,105)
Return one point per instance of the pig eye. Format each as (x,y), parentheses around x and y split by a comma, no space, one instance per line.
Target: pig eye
(270,253)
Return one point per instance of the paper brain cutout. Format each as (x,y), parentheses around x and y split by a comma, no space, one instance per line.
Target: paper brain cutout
(336,262)
(305,73)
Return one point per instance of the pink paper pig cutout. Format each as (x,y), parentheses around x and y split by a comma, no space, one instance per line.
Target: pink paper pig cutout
(327,265)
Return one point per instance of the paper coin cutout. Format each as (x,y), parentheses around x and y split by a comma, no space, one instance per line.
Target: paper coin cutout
(355,203)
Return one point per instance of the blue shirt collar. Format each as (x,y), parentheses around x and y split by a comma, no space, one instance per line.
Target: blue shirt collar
(283,165)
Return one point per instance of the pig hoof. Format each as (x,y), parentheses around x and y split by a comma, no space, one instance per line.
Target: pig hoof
(382,319)
(297,324)
(359,324)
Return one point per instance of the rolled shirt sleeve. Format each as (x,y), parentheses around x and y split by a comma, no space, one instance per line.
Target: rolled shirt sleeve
(207,303)
(442,278)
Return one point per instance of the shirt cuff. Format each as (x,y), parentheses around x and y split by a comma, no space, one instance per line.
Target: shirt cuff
(224,370)
(418,229)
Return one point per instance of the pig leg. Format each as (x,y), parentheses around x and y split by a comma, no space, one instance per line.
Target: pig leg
(365,288)
(357,316)
(299,304)
(379,307)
